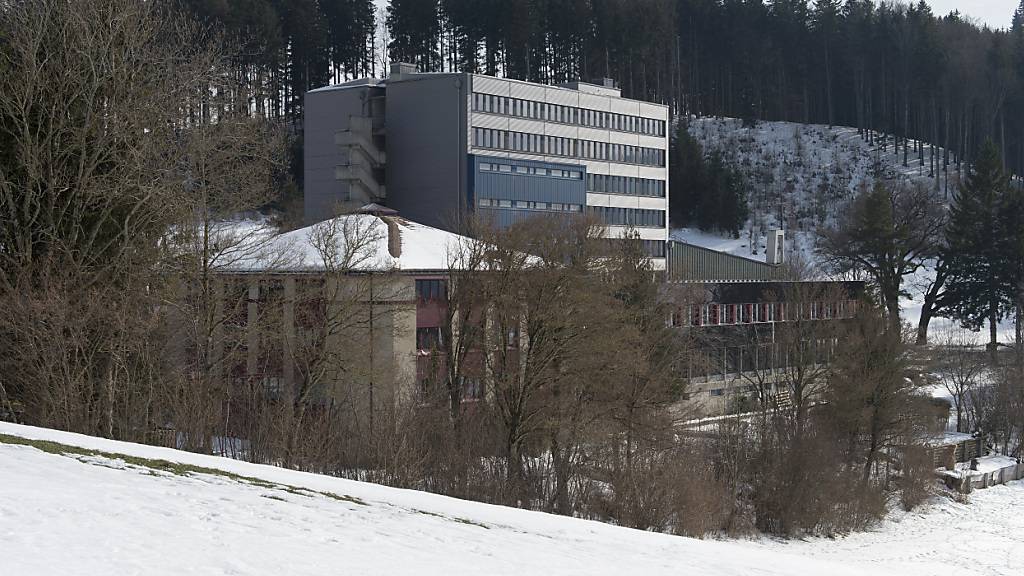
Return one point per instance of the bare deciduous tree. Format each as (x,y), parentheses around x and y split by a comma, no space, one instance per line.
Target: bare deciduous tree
(889,232)
(960,368)
(95,124)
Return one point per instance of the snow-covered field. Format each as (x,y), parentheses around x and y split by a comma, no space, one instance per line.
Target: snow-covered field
(75,513)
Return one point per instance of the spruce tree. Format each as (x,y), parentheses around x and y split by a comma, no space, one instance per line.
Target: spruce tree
(722,204)
(686,175)
(415,28)
(1012,222)
(976,246)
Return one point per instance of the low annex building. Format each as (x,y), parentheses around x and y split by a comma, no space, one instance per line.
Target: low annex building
(752,326)
(342,309)
(354,308)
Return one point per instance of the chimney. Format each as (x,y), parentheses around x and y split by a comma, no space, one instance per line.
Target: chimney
(389,217)
(399,69)
(394,237)
(775,254)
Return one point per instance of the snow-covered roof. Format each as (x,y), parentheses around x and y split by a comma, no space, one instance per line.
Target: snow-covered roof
(356,243)
(948,439)
(359,83)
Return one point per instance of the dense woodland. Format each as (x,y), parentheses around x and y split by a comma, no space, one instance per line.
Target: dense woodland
(892,67)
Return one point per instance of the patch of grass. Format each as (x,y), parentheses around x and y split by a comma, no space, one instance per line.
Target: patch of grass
(344,498)
(471,523)
(176,468)
(454,519)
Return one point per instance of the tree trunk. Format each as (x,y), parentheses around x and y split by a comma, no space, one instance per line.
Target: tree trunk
(561,502)
(931,303)
(1018,326)
(892,306)
(922,324)
(993,342)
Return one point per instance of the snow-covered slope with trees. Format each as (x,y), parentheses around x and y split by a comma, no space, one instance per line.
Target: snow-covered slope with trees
(800,176)
(73,504)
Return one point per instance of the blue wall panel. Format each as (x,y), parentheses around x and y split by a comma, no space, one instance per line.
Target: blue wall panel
(521,183)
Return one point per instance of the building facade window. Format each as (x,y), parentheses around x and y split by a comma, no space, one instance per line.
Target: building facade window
(567,147)
(529,205)
(520,170)
(639,218)
(625,185)
(430,290)
(429,339)
(506,106)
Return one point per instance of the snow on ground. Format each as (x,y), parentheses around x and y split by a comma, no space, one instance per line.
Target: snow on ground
(985,536)
(98,514)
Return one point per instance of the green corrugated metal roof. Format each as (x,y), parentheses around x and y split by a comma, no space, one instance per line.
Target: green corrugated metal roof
(691,263)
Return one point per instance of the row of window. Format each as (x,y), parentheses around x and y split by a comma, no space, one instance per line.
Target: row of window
(630,216)
(734,360)
(652,248)
(566,114)
(605,184)
(523,142)
(530,170)
(529,205)
(568,147)
(622,153)
(430,339)
(727,314)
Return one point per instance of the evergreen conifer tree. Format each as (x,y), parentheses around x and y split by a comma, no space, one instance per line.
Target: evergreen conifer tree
(705,190)
(686,175)
(415,28)
(1012,222)
(976,246)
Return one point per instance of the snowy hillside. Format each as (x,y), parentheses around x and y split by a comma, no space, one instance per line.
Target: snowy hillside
(67,508)
(801,175)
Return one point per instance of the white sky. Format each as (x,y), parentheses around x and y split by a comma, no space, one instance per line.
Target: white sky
(995,13)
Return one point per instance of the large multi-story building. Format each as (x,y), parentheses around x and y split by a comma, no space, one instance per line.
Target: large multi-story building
(439,146)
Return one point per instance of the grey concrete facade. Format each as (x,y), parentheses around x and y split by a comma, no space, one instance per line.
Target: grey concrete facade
(329,113)
(608,153)
(427,163)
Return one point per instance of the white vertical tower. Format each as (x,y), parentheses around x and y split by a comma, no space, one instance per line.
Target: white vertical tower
(776,252)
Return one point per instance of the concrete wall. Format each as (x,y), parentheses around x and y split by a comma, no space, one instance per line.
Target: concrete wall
(426,148)
(326,112)
(370,351)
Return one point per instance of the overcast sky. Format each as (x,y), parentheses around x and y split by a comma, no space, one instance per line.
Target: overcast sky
(995,13)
